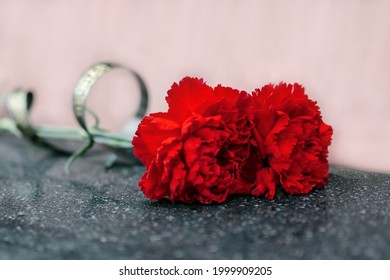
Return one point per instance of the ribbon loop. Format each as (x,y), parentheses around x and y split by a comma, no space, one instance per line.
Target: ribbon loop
(80,95)
(18,105)
(89,78)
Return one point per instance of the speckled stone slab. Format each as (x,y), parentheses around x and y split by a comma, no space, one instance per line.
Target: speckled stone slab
(98,214)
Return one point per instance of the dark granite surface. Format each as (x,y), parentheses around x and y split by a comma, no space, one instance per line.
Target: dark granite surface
(98,214)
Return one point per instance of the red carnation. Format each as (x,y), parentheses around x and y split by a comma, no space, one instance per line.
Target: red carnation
(292,141)
(196,150)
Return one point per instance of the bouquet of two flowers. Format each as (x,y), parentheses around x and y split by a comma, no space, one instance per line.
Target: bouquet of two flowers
(214,142)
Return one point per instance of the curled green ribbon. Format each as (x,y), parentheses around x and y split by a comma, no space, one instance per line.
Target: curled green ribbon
(19,102)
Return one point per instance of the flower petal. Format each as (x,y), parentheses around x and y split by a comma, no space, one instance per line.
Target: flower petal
(151,132)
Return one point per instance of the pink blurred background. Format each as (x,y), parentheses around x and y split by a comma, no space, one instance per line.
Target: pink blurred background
(338,49)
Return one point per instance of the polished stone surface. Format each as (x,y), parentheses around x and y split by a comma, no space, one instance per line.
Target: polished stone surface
(98,214)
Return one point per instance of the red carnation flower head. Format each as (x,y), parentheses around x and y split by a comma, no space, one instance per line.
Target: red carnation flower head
(292,141)
(196,150)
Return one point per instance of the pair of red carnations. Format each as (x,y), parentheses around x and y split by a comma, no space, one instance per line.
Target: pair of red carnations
(215,142)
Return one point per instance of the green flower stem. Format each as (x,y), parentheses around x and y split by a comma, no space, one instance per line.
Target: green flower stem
(97,135)
(73,134)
